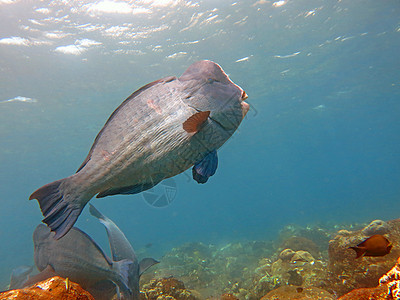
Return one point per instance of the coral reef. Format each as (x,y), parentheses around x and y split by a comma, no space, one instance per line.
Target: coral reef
(286,254)
(213,270)
(250,270)
(392,275)
(52,288)
(392,280)
(291,268)
(347,273)
(297,243)
(319,235)
(301,269)
(166,289)
(298,293)
(228,297)
(376,227)
(296,267)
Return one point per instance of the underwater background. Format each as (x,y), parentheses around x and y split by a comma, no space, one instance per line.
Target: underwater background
(320,144)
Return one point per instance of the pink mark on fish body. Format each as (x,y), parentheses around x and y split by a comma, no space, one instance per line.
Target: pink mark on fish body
(154,106)
(106,155)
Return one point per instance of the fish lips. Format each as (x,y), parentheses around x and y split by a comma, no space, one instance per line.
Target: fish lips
(245,105)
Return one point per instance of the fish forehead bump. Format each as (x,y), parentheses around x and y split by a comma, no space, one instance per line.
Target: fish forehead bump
(204,69)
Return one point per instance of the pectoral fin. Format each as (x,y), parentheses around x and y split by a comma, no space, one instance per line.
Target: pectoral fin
(206,167)
(193,123)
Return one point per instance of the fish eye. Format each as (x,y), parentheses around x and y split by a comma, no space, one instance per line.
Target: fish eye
(212,80)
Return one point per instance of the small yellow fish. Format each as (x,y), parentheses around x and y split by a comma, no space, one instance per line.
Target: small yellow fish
(67,285)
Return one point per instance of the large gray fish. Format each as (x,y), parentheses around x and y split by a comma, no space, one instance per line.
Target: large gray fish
(159,131)
(121,249)
(79,258)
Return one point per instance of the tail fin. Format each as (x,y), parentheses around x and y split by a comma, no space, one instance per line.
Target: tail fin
(95,213)
(122,269)
(60,212)
(359,251)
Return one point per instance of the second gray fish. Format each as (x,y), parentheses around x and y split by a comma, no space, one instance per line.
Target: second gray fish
(79,258)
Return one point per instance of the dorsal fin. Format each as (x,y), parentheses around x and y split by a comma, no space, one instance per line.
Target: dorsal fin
(193,123)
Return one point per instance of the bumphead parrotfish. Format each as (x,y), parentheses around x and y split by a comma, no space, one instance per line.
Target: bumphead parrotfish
(161,130)
(79,258)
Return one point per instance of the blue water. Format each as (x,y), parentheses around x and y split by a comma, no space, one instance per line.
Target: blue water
(319,145)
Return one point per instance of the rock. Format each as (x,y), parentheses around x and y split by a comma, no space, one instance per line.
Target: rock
(377,293)
(295,278)
(376,227)
(228,297)
(298,293)
(263,286)
(166,288)
(302,256)
(347,273)
(344,232)
(286,254)
(301,243)
(52,288)
(302,269)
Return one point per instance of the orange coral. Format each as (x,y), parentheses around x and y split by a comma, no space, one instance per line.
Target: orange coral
(52,288)
(171,284)
(392,279)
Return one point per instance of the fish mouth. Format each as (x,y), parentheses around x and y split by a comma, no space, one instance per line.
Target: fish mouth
(245,105)
(244,95)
